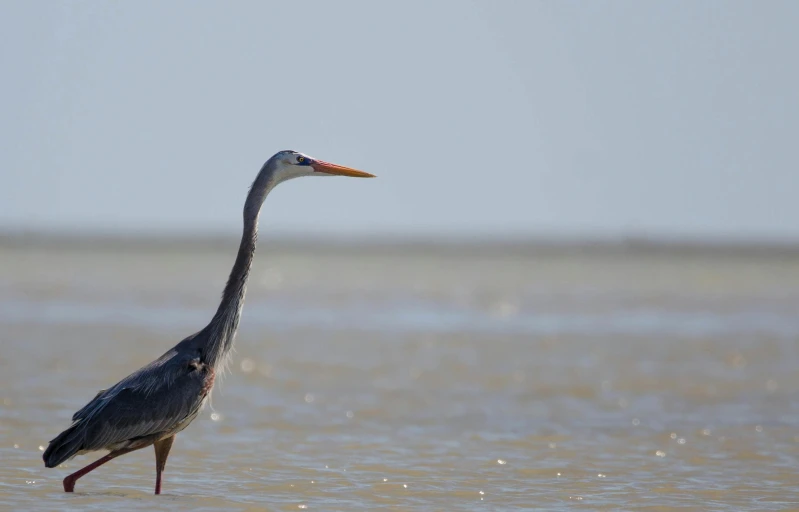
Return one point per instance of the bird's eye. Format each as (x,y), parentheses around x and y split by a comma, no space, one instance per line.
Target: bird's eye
(300,159)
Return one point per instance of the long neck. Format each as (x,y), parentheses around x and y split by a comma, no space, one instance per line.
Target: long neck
(223,326)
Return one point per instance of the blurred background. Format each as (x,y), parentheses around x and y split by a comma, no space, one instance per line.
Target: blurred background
(510,118)
(576,277)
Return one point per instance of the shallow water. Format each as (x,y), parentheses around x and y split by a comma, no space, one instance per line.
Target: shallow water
(417,379)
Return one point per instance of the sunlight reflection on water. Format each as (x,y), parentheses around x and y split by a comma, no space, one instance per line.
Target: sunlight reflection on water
(486,383)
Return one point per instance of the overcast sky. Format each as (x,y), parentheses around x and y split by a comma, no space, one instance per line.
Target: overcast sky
(486,117)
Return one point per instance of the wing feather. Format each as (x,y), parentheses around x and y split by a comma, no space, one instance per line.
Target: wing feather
(157,399)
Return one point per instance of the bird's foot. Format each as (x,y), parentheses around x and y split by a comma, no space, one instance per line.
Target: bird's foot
(69,484)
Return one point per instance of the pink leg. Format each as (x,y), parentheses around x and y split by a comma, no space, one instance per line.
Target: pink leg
(69,481)
(162,448)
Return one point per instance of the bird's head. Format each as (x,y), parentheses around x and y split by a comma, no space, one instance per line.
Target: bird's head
(290,164)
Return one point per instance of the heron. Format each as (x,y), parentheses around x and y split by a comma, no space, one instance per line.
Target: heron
(157,401)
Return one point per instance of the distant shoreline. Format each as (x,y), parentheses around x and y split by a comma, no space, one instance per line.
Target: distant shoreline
(516,246)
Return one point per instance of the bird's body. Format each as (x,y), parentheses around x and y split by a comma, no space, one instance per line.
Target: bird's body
(154,403)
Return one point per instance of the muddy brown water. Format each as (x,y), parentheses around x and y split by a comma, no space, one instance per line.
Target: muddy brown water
(417,379)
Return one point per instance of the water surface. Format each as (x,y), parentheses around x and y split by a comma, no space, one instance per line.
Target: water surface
(417,378)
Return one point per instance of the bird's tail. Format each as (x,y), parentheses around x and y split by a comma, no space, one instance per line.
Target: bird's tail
(65,446)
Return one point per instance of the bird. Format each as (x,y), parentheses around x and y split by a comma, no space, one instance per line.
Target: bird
(154,403)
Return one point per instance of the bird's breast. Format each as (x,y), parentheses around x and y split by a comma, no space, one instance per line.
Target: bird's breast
(206,373)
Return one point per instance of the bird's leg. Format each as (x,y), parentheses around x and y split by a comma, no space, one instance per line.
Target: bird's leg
(162,448)
(69,481)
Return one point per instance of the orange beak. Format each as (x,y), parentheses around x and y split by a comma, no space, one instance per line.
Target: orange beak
(339,170)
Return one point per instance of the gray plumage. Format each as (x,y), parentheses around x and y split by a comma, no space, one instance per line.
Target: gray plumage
(157,401)
(161,399)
